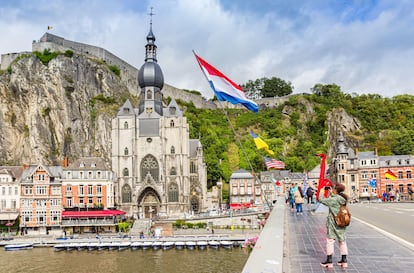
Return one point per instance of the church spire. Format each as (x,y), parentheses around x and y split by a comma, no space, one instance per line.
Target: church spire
(151,48)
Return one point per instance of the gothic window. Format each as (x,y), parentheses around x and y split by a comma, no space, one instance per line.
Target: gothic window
(126,125)
(171,123)
(125,110)
(149,165)
(126,194)
(173,192)
(173,171)
(172,149)
(149,95)
(125,172)
(126,151)
(193,167)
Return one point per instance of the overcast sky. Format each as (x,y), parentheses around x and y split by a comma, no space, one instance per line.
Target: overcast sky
(364,46)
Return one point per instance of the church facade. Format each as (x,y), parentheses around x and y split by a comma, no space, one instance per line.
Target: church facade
(160,170)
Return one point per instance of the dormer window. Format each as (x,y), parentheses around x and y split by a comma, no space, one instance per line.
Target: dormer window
(148,110)
(82,164)
(387,162)
(399,161)
(93,165)
(126,110)
(172,110)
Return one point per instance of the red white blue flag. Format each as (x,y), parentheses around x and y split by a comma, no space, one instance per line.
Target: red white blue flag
(224,88)
(273,163)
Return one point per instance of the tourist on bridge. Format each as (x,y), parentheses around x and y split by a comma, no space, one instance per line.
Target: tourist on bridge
(336,198)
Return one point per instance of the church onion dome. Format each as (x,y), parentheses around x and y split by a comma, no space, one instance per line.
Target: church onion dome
(150,74)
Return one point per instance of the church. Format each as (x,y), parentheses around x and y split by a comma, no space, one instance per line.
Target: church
(160,171)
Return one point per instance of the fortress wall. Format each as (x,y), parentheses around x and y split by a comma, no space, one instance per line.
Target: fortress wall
(7,59)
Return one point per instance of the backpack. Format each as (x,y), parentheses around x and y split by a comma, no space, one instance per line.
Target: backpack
(343,218)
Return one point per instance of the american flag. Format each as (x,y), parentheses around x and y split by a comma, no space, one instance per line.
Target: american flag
(273,163)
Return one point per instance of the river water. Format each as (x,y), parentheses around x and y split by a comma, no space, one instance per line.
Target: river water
(47,260)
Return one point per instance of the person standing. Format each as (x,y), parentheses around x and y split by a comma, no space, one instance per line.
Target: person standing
(309,194)
(334,201)
(298,195)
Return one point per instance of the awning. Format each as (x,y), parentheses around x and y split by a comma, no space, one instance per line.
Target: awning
(8,216)
(92,213)
(240,205)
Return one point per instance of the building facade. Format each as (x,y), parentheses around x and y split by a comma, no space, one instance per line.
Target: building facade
(41,199)
(245,190)
(10,193)
(160,170)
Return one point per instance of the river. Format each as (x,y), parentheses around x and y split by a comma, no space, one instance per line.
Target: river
(47,260)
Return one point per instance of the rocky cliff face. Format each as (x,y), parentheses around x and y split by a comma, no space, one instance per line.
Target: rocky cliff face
(60,109)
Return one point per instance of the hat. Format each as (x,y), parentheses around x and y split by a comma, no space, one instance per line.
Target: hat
(328,183)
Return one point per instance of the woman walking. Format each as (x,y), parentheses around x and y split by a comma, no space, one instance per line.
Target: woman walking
(298,195)
(335,199)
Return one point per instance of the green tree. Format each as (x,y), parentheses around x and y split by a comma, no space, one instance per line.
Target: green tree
(276,87)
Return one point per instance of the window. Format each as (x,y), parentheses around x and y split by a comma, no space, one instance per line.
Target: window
(364,189)
(13,204)
(126,151)
(26,216)
(41,190)
(341,178)
(55,216)
(41,203)
(125,172)
(364,174)
(400,174)
(149,166)
(90,201)
(41,177)
(3,204)
(242,191)
(401,188)
(90,190)
(389,187)
(27,203)
(172,150)
(69,202)
(126,125)
(173,171)
(81,202)
(99,201)
(10,190)
(249,190)
(55,202)
(373,162)
(171,123)
(99,189)
(363,162)
(149,95)
(3,190)
(90,175)
(173,192)
(16,190)
(408,174)
(373,174)
(126,194)
(56,190)
(193,167)
(81,190)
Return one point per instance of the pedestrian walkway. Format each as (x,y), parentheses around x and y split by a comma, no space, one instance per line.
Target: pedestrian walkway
(369,250)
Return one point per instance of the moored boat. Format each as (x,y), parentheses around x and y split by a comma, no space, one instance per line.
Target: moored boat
(179,245)
(146,245)
(136,245)
(124,245)
(214,244)
(92,246)
(202,244)
(190,245)
(226,244)
(156,245)
(18,246)
(60,247)
(167,245)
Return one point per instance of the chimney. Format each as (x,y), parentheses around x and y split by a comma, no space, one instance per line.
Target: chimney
(376,151)
(25,166)
(356,152)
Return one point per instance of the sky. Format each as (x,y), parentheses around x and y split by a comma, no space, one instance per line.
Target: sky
(364,46)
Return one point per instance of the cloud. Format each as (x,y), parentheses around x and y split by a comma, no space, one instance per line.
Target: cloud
(363,46)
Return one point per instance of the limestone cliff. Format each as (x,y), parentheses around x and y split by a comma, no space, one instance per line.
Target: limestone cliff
(62,108)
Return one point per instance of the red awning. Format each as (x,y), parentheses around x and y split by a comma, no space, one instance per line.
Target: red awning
(92,213)
(240,205)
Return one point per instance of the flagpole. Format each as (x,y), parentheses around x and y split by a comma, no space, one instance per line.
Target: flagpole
(232,128)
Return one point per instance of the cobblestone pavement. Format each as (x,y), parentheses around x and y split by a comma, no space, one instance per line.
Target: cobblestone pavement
(370,251)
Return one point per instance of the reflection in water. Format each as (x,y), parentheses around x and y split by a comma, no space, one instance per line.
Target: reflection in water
(46,260)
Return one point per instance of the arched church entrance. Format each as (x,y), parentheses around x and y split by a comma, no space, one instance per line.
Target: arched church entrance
(195,204)
(149,203)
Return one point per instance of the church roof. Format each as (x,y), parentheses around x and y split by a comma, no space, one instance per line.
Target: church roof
(173,110)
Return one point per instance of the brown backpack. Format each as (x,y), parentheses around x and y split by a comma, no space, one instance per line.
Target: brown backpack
(343,218)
